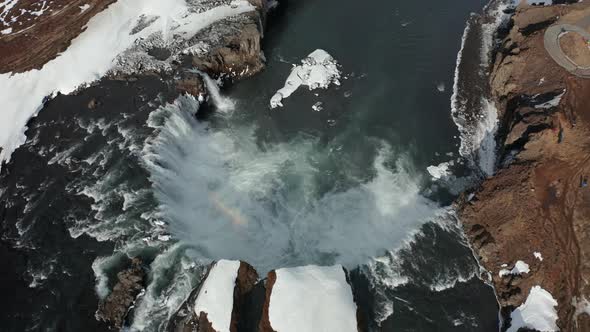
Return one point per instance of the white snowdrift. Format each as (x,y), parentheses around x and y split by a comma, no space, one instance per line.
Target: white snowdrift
(216,297)
(537,313)
(312,298)
(318,70)
(92,54)
(519,268)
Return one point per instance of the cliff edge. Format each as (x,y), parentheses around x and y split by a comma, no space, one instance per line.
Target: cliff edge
(529,224)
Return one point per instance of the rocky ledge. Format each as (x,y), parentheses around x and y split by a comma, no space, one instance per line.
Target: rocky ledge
(529,224)
(232,298)
(228,48)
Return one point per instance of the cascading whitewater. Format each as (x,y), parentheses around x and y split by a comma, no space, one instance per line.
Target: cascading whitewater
(235,199)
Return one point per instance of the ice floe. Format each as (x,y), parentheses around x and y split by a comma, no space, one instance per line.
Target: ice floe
(318,71)
(440,171)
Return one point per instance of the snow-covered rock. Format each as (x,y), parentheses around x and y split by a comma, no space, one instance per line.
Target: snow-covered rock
(318,70)
(310,298)
(537,313)
(219,302)
(216,297)
(520,267)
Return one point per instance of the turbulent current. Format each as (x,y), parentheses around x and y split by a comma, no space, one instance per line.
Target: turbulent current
(181,182)
(277,204)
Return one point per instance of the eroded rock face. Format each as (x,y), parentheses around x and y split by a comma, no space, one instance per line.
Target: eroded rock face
(113,309)
(236,55)
(538,201)
(265,320)
(187,320)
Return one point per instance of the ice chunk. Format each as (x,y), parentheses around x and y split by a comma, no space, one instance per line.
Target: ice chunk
(318,70)
(440,171)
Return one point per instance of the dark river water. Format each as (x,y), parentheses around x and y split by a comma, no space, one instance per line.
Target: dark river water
(141,175)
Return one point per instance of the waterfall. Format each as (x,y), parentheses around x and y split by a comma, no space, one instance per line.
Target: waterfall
(222,103)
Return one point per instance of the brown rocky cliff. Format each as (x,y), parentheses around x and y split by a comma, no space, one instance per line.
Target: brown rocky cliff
(186,320)
(265,320)
(113,309)
(245,282)
(37,39)
(537,201)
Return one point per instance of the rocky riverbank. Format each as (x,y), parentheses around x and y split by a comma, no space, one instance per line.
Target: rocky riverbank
(528,224)
(228,49)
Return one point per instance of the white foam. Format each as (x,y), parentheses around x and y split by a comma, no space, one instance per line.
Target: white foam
(216,297)
(318,71)
(262,204)
(91,55)
(172,279)
(312,298)
(537,313)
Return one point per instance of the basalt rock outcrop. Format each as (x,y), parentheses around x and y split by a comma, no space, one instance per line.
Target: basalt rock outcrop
(187,319)
(253,299)
(536,208)
(113,309)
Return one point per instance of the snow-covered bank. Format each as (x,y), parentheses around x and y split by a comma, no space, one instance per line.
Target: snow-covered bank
(318,71)
(312,298)
(216,297)
(94,53)
(537,313)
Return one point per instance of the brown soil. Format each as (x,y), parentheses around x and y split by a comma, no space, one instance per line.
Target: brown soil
(576,48)
(537,203)
(35,40)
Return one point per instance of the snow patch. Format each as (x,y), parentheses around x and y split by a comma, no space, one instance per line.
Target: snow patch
(84,8)
(216,297)
(318,70)
(551,103)
(6,31)
(519,268)
(538,256)
(312,298)
(537,313)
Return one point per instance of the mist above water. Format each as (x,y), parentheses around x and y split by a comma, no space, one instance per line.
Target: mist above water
(232,198)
